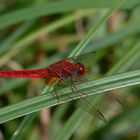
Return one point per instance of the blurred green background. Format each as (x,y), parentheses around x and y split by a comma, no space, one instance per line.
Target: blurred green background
(37,33)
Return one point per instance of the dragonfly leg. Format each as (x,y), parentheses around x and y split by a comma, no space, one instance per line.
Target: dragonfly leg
(59,84)
(55,92)
(65,83)
(55,83)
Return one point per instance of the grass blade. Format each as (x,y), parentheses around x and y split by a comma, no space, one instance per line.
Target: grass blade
(56,7)
(47,100)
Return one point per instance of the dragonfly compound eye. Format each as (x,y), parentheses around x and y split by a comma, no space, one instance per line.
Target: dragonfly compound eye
(81,69)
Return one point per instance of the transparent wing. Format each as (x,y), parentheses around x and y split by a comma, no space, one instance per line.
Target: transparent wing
(86,59)
(86,105)
(91,109)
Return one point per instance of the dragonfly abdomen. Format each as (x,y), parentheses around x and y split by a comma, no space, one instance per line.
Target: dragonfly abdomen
(40,73)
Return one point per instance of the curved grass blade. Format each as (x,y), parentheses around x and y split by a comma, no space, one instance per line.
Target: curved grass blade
(47,100)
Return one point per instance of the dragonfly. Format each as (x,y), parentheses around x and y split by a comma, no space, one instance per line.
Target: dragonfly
(57,74)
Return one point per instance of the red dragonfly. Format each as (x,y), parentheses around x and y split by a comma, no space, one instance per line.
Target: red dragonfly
(55,75)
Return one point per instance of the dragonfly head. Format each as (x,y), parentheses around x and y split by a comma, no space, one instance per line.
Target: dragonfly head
(81,69)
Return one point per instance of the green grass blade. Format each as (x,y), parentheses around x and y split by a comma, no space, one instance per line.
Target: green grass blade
(128,59)
(7,43)
(113,38)
(93,30)
(121,118)
(47,100)
(23,126)
(56,7)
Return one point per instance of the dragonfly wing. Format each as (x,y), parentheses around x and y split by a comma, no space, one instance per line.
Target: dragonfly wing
(84,58)
(91,109)
(85,104)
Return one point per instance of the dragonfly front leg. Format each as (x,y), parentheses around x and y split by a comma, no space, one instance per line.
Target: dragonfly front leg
(74,80)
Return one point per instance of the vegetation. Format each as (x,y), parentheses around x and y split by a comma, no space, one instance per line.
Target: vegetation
(37,33)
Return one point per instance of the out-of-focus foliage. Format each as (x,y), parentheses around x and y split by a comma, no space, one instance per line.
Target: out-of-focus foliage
(37,33)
